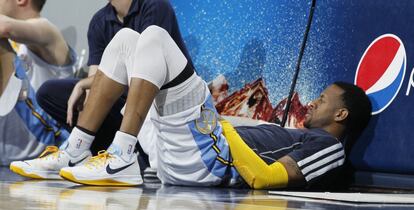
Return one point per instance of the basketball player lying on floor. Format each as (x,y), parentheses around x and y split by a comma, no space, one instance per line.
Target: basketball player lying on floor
(194,146)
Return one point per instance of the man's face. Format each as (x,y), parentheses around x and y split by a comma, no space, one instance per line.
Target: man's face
(322,111)
(7,7)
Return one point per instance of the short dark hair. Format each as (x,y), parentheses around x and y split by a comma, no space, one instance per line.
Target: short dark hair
(38,4)
(359,107)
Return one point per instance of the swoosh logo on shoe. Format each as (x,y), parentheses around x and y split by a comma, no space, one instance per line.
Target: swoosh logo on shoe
(109,170)
(76,163)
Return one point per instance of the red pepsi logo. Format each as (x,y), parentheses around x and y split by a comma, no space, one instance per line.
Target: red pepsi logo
(381,71)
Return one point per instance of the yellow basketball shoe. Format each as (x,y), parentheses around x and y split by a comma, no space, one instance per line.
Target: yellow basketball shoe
(48,164)
(105,169)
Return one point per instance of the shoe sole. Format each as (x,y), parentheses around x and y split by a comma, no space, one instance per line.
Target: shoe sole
(99,182)
(20,171)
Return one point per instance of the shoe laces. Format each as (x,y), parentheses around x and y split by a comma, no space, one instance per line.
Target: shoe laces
(98,160)
(50,151)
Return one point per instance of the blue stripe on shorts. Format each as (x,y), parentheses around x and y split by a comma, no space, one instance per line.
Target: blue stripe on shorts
(40,124)
(215,151)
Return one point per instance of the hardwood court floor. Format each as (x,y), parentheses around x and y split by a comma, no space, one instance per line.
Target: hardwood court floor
(19,193)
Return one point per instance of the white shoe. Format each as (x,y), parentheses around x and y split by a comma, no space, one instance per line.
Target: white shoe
(105,169)
(48,164)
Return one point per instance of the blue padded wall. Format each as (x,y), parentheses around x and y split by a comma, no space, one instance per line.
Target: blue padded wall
(245,40)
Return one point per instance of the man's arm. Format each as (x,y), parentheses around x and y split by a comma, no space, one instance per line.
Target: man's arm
(295,176)
(256,172)
(37,31)
(40,36)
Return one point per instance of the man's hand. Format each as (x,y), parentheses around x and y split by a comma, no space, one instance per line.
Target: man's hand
(78,98)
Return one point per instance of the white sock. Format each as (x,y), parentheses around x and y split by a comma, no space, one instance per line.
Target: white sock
(78,141)
(123,145)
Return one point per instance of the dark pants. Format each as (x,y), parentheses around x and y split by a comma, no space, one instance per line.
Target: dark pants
(53,97)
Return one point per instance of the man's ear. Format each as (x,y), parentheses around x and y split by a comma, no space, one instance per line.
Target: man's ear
(341,114)
(22,3)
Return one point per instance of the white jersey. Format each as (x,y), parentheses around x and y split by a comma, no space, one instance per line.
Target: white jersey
(26,129)
(38,71)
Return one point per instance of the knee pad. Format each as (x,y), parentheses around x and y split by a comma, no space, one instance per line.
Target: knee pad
(118,56)
(123,43)
(158,58)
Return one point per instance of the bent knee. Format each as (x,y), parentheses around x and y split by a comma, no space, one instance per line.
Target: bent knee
(154,33)
(124,36)
(126,33)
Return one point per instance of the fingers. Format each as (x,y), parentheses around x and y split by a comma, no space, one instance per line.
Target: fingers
(77,98)
(72,102)
(69,118)
(69,115)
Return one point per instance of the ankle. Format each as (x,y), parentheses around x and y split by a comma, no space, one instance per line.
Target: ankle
(123,145)
(78,142)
